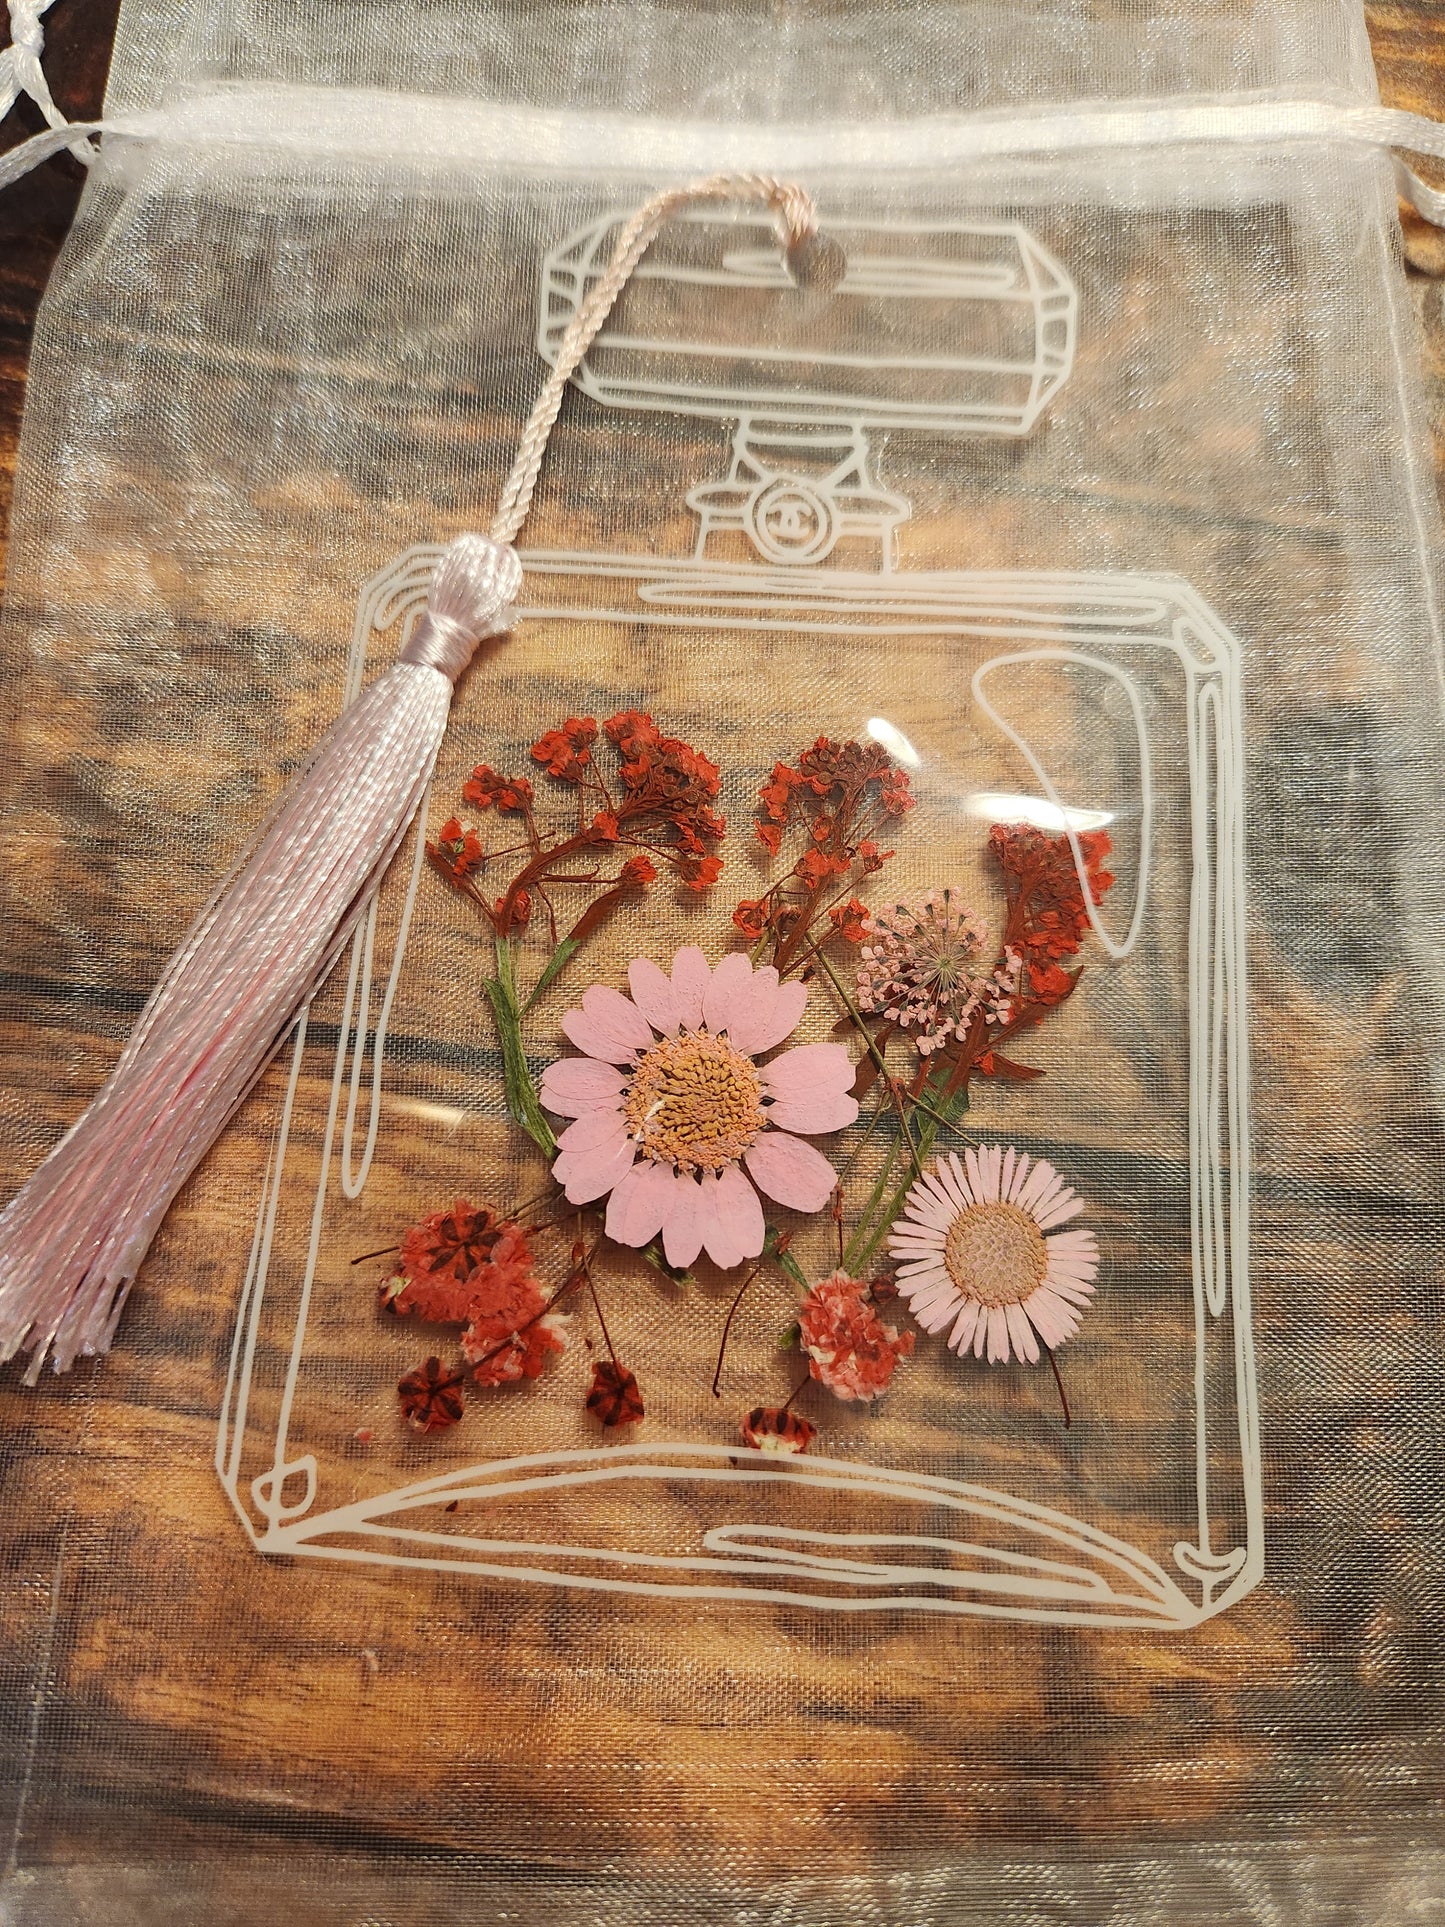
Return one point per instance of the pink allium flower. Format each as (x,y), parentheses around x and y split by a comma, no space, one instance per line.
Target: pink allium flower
(928,966)
(673,1114)
(849,1348)
(972,1247)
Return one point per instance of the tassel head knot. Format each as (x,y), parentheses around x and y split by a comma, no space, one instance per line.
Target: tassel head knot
(475,584)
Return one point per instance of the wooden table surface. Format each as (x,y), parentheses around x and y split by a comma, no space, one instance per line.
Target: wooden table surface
(268,1757)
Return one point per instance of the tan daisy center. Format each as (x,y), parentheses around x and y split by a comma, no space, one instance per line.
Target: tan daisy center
(696,1102)
(996,1254)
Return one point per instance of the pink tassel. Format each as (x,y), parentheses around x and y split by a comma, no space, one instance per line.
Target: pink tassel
(75,1236)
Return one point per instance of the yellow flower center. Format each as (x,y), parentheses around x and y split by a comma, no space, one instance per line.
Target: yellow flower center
(696,1102)
(996,1254)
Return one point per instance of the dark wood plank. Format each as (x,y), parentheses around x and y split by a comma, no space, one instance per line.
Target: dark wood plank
(364,1730)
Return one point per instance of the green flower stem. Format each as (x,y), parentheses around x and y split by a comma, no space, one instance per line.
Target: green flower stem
(784,1260)
(854,1251)
(862,1145)
(853,1011)
(860,1247)
(864,1243)
(655,1256)
(556,964)
(522,1099)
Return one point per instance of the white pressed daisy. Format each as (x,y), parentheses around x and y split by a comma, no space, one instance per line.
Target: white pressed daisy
(979,1244)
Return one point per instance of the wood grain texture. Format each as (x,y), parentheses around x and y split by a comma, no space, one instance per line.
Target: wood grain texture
(190,1734)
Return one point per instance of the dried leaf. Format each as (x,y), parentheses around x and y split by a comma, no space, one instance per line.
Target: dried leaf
(994,1064)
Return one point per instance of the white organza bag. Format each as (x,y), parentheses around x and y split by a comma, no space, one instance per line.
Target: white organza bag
(1041,1526)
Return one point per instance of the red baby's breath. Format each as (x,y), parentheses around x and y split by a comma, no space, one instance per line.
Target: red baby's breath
(489,790)
(660,801)
(459,848)
(1048,917)
(567,751)
(839,796)
(847,919)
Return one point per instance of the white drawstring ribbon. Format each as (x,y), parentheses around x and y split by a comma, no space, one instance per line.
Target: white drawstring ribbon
(21,73)
(493,134)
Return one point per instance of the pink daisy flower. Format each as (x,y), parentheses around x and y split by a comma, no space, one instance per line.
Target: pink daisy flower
(972,1248)
(674,1114)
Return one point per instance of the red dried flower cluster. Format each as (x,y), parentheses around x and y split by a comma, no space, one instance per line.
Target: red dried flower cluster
(491,791)
(661,803)
(468,1267)
(849,1348)
(567,751)
(842,795)
(458,848)
(665,780)
(1047,916)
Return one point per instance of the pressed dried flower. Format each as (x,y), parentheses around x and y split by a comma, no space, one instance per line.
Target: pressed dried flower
(490,791)
(1048,918)
(452,1242)
(980,1244)
(839,795)
(673,1115)
(751,917)
(666,804)
(850,1350)
(431,1396)
(929,967)
(614,1397)
(468,1267)
(520,1353)
(637,872)
(850,920)
(778,1432)
(442,1257)
(458,848)
(896,794)
(567,751)
(504,1294)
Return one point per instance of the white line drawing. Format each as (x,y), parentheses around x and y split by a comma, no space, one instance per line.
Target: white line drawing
(799,481)
(1059,617)
(783,540)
